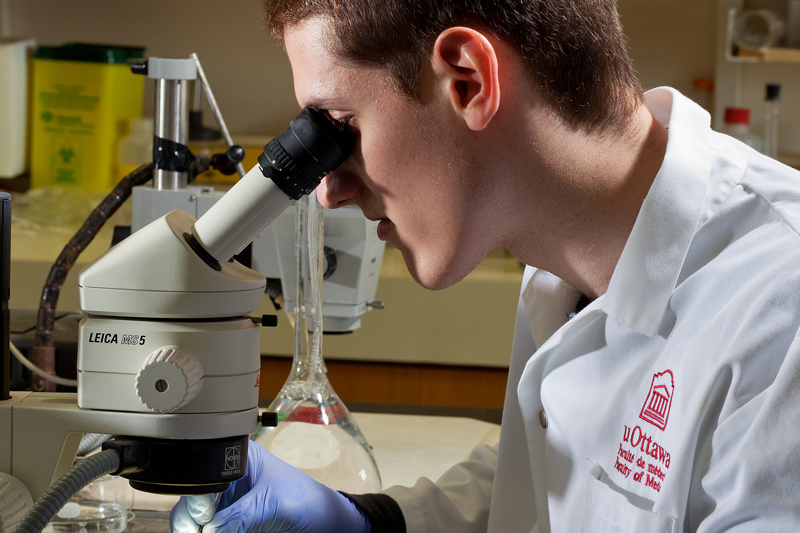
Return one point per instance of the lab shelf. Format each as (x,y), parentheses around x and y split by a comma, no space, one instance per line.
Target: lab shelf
(768,55)
(791,160)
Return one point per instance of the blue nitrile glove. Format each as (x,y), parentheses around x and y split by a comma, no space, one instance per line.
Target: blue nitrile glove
(272,497)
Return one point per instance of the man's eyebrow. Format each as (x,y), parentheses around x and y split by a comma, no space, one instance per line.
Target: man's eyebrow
(320,103)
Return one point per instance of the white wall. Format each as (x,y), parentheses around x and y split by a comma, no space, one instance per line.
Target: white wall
(247,71)
(674,41)
(671,43)
(251,76)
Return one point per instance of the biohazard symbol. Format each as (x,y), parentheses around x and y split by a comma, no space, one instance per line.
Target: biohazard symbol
(66,154)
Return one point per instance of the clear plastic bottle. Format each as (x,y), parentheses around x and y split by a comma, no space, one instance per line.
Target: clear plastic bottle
(737,125)
(772,102)
(137,148)
(316,433)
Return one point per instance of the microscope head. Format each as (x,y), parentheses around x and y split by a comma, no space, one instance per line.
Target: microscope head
(167,338)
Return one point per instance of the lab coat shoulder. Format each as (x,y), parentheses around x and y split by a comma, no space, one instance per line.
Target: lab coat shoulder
(696,425)
(739,170)
(746,470)
(740,287)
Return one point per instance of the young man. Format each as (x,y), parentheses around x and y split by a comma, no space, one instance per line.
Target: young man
(670,401)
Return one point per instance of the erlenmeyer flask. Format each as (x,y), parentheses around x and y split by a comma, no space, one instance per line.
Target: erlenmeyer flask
(316,433)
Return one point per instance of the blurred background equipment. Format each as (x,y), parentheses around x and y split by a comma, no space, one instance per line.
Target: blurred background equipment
(81,94)
(14,105)
(758,28)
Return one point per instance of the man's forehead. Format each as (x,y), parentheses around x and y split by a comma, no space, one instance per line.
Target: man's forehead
(322,88)
(313,66)
(322,79)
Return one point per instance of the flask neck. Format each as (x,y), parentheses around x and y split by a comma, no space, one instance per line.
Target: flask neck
(308,361)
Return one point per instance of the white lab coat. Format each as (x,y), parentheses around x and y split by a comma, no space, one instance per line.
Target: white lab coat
(673,401)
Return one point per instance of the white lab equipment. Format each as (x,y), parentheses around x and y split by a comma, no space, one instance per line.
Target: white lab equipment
(737,125)
(13,105)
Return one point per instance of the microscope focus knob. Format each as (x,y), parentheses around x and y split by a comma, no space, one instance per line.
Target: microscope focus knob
(168,379)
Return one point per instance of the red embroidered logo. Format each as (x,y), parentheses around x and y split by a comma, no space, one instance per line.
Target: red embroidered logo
(659,400)
(258,381)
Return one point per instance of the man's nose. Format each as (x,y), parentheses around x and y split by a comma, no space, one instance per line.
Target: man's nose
(338,189)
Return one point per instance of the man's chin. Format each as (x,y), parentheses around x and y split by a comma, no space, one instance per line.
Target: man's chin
(433,276)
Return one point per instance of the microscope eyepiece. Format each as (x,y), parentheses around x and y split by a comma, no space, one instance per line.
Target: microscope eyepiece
(298,159)
(295,162)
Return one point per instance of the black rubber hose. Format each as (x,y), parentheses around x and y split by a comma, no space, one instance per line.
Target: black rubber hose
(43,350)
(65,487)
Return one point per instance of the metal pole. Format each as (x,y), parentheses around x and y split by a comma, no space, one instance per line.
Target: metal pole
(5,287)
(172,123)
(215,108)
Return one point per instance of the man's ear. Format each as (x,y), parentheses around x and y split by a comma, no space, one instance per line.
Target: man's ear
(466,61)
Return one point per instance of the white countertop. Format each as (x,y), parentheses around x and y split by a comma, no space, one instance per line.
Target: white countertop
(406,447)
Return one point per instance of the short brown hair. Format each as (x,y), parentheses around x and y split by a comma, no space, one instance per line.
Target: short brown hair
(575,50)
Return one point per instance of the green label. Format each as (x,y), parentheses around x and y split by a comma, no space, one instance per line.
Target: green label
(69,97)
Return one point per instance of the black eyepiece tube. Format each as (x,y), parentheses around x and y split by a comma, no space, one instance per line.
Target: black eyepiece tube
(298,159)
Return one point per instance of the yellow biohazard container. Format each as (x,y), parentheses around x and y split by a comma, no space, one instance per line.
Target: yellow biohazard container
(83,97)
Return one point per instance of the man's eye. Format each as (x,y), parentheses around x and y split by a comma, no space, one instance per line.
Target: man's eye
(342,123)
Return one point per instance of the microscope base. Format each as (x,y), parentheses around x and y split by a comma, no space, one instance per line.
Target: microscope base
(40,432)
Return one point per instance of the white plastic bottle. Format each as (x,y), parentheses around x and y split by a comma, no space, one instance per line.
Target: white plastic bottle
(737,125)
(137,148)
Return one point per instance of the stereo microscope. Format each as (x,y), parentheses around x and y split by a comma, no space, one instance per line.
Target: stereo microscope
(168,354)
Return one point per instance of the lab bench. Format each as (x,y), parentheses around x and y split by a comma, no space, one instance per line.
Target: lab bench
(408,442)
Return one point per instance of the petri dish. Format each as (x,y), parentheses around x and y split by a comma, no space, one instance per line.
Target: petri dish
(90,516)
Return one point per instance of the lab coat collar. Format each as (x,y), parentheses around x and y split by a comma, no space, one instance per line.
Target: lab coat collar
(647,272)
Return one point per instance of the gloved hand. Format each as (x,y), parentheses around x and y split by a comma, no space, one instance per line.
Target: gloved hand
(272,497)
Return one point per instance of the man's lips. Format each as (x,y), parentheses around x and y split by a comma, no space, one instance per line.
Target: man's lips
(384,225)
(372,217)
